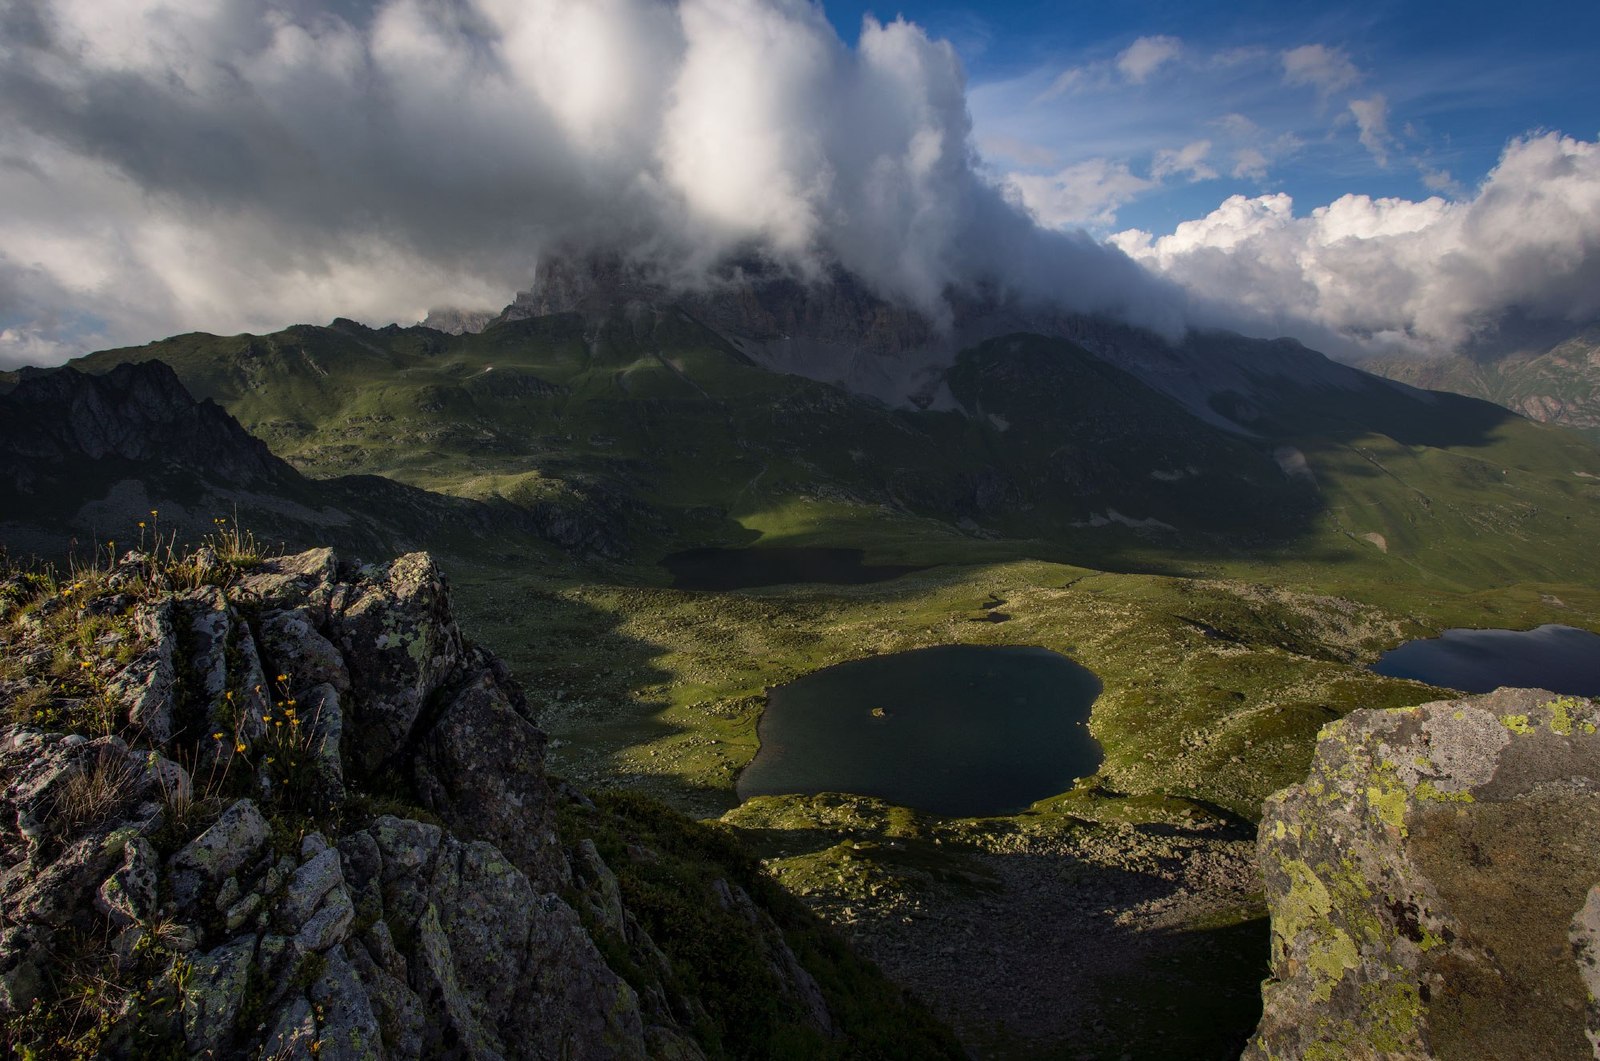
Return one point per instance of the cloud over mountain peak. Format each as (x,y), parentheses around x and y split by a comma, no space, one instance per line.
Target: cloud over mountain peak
(178,164)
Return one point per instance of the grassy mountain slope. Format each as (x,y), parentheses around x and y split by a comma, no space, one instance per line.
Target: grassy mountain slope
(659,432)
(1058,494)
(1560,385)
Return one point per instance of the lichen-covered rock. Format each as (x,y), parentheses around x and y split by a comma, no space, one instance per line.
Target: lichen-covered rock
(349,1030)
(305,580)
(128,896)
(210,626)
(148,685)
(481,769)
(300,651)
(222,850)
(1431,882)
(213,995)
(470,914)
(400,644)
(258,904)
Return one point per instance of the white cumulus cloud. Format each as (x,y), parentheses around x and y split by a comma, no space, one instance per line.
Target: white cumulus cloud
(1363,274)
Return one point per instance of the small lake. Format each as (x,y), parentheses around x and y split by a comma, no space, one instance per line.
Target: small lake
(960,730)
(1559,658)
(725,569)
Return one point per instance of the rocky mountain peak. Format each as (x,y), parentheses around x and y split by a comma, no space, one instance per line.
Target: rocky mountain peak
(833,327)
(136,413)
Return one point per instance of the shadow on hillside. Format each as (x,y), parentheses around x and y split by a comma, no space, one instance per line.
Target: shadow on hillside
(1038,953)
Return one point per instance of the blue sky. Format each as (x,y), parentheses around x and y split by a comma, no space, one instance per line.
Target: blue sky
(1453,84)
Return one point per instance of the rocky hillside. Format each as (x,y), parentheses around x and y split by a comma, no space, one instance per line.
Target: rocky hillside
(834,328)
(90,456)
(284,808)
(135,415)
(1556,385)
(1435,885)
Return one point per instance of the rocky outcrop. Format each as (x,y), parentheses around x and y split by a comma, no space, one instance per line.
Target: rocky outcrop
(398,938)
(136,413)
(1434,885)
(454,321)
(319,827)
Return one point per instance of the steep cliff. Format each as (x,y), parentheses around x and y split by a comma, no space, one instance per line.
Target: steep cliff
(1435,885)
(285,809)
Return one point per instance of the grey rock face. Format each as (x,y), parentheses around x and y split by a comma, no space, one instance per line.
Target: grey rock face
(148,684)
(128,896)
(400,645)
(396,940)
(471,914)
(1432,885)
(482,767)
(218,853)
(215,992)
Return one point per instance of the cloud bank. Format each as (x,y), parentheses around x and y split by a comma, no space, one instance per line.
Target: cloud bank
(228,165)
(1366,275)
(239,165)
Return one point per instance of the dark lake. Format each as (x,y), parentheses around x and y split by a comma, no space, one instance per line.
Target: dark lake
(1559,658)
(722,569)
(960,730)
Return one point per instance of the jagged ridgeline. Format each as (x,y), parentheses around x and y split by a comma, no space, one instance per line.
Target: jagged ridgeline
(619,420)
(283,808)
(130,454)
(1558,384)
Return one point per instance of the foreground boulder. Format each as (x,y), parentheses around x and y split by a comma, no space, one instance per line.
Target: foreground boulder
(1435,885)
(285,809)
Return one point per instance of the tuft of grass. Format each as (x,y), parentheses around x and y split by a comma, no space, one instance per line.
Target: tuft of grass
(96,791)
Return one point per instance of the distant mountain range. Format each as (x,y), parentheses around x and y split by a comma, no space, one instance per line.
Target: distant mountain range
(1559,384)
(606,417)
